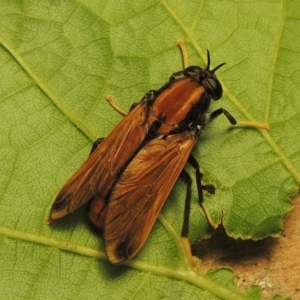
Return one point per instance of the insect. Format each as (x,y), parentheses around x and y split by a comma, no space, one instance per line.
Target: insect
(130,173)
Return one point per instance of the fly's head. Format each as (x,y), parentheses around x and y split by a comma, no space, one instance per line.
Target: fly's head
(206,78)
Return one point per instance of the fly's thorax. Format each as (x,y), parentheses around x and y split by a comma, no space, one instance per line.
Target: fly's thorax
(181,100)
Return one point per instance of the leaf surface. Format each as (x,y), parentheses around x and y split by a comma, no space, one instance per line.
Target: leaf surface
(59,59)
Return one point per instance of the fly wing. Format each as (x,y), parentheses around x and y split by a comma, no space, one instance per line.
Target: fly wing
(99,171)
(140,193)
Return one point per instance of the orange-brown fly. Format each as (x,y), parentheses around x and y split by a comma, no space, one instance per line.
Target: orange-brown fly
(130,173)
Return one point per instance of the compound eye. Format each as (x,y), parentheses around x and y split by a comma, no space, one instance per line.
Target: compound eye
(213,87)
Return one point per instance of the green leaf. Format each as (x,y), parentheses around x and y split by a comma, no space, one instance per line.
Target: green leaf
(59,59)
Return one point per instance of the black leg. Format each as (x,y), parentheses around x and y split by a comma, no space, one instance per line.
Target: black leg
(193,162)
(220,111)
(186,218)
(96,144)
(233,121)
(210,188)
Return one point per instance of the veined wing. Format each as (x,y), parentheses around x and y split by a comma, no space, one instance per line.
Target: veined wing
(99,171)
(140,193)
